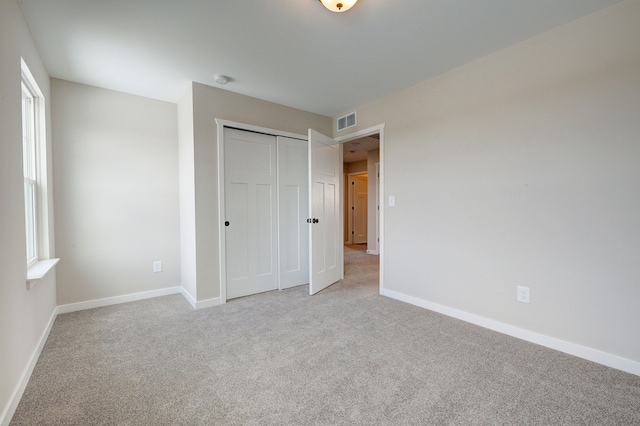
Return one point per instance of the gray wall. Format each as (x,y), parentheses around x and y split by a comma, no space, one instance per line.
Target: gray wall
(116,196)
(24,315)
(521,168)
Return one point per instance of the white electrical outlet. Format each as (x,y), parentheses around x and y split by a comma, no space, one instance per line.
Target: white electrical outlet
(524,295)
(157,266)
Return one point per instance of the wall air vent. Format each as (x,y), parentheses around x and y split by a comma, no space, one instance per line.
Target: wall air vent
(347,121)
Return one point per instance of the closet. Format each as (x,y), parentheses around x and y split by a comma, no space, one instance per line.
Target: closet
(266,209)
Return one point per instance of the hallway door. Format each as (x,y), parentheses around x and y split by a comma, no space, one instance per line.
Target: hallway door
(359,208)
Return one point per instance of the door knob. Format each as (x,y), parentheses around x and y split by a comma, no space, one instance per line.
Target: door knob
(316,221)
(226,223)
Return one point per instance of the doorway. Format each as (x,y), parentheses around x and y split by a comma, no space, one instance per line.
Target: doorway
(361,156)
(363,152)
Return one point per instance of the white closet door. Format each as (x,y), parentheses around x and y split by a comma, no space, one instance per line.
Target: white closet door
(293,205)
(325,175)
(250,210)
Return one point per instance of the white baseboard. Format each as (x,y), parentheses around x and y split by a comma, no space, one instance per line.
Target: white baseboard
(108,301)
(202,303)
(189,298)
(8,412)
(574,349)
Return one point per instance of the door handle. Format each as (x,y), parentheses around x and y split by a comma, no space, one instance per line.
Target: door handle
(226,223)
(316,221)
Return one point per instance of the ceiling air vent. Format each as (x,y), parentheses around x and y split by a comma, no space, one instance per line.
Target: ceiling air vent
(347,121)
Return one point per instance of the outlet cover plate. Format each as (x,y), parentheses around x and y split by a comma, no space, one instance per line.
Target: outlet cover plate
(157,266)
(524,294)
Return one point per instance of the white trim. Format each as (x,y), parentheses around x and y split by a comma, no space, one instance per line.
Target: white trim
(189,297)
(202,304)
(379,129)
(375,252)
(377,205)
(208,303)
(108,301)
(252,128)
(570,348)
(222,242)
(39,270)
(43,249)
(10,409)
(361,133)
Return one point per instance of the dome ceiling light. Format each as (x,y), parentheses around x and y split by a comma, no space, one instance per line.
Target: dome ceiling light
(338,5)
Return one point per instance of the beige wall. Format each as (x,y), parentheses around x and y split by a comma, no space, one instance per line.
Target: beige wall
(116,173)
(210,103)
(24,315)
(521,168)
(356,167)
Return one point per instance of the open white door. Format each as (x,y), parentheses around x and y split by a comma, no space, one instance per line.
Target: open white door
(325,207)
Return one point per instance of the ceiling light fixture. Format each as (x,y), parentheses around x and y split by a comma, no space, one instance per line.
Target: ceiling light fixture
(338,5)
(220,79)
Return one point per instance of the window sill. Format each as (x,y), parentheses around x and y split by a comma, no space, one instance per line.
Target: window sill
(37,271)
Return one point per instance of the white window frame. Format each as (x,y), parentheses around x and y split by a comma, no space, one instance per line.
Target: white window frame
(34,145)
(30,171)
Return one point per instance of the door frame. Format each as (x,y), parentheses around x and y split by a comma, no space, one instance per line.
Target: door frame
(222,241)
(378,207)
(378,129)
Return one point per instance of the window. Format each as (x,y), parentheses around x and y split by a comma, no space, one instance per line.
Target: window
(34,166)
(30,173)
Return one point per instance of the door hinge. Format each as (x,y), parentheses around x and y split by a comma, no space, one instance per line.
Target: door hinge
(353,208)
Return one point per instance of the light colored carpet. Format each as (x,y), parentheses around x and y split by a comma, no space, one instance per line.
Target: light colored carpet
(344,356)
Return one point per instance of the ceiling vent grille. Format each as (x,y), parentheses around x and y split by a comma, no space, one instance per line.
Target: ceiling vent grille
(347,121)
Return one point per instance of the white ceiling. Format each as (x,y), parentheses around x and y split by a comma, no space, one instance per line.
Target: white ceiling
(293,52)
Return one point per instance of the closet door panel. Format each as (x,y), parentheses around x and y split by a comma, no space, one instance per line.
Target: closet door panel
(293,195)
(250,209)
